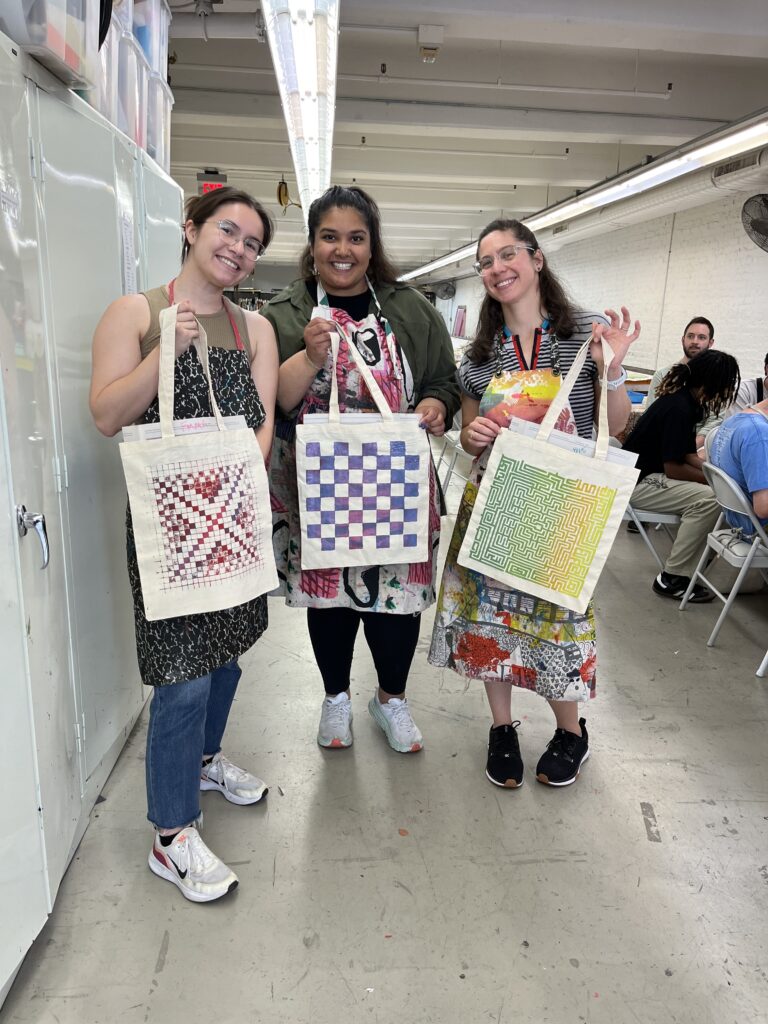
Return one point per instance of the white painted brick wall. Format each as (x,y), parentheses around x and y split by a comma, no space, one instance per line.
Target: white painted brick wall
(699,262)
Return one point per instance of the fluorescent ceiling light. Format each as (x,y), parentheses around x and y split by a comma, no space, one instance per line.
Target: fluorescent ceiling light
(303,40)
(723,144)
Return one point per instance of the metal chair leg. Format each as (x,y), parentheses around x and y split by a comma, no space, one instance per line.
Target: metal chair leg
(763,666)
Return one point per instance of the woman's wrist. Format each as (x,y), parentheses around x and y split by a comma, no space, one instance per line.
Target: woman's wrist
(314,366)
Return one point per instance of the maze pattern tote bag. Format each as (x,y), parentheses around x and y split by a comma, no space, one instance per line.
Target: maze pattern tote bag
(200,505)
(549,505)
(363,482)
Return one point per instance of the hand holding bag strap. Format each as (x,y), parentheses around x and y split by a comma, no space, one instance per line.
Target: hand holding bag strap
(370,381)
(168,367)
(560,400)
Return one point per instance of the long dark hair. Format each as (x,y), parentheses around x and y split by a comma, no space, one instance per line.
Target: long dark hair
(199,209)
(380,269)
(554,299)
(713,375)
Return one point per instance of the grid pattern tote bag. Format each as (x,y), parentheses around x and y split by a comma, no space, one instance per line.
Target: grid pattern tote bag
(550,504)
(363,482)
(199,504)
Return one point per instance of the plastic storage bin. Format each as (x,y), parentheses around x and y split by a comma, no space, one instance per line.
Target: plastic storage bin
(151,19)
(159,121)
(123,11)
(62,34)
(132,88)
(103,96)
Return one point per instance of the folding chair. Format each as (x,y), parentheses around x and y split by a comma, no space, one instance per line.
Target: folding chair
(640,516)
(742,551)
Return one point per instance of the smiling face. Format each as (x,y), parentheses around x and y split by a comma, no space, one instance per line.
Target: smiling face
(510,278)
(341,250)
(225,255)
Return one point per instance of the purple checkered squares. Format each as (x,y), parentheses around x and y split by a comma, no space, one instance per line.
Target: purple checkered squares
(361,496)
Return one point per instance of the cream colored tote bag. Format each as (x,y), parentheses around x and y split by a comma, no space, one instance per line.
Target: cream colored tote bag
(199,503)
(363,481)
(549,505)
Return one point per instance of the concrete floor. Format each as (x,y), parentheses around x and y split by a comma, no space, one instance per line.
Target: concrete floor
(381,887)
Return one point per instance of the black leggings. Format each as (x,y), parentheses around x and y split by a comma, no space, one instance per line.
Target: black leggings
(392,641)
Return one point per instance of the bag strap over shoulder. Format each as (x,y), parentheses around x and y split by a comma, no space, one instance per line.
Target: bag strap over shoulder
(561,398)
(168,367)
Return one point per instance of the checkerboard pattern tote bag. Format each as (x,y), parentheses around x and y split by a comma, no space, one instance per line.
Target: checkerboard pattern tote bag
(546,516)
(200,506)
(363,481)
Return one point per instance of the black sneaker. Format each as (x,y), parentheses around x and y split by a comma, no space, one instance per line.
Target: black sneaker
(669,585)
(504,766)
(566,752)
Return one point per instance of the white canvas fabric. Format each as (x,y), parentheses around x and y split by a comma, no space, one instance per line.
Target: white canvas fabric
(546,513)
(200,505)
(363,482)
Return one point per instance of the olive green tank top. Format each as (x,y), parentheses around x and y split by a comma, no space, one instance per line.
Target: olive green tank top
(217,325)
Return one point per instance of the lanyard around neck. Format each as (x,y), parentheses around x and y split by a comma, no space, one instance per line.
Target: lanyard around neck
(554,348)
(235,331)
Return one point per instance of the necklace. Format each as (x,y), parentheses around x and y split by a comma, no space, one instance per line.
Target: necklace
(554,348)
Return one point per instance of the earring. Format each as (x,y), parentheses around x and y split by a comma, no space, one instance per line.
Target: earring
(314,268)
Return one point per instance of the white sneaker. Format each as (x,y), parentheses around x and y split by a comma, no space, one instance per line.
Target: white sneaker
(335,728)
(190,865)
(394,717)
(236,784)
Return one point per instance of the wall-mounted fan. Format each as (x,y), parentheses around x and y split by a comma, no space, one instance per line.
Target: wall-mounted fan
(445,289)
(754,217)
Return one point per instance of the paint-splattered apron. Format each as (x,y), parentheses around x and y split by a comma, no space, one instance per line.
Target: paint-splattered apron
(488,631)
(400,589)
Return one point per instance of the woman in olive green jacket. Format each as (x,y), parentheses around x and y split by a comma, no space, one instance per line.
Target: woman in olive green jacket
(348,280)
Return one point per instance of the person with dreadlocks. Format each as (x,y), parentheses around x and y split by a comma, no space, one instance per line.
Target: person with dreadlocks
(671,478)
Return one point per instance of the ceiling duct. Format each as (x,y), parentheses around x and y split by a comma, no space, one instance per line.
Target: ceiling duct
(744,174)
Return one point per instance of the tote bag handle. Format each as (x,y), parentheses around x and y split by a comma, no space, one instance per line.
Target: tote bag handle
(370,381)
(558,403)
(168,365)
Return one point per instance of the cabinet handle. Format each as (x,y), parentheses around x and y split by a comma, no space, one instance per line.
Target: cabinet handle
(33,521)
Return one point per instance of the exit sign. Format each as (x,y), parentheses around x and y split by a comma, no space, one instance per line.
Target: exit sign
(209,180)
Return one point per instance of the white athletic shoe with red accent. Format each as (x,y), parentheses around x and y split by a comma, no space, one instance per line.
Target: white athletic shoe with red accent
(335,728)
(191,866)
(394,718)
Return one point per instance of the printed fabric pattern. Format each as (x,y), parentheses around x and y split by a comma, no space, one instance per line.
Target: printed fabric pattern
(190,646)
(488,631)
(400,588)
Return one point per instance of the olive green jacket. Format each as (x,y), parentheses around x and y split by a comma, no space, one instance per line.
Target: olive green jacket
(417,325)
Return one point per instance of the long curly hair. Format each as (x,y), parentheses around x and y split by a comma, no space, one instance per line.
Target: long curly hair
(381,269)
(712,375)
(554,299)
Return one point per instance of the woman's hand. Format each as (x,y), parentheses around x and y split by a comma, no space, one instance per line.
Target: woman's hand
(479,434)
(432,412)
(618,337)
(317,340)
(187,327)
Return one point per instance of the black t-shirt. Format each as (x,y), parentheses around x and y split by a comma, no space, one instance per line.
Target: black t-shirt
(356,306)
(666,432)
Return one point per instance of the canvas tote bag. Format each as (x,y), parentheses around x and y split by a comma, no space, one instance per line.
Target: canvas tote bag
(363,481)
(199,504)
(549,505)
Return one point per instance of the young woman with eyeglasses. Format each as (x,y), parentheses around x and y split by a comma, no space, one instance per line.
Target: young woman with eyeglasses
(347,279)
(191,660)
(527,337)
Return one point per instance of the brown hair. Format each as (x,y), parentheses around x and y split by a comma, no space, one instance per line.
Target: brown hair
(554,299)
(199,209)
(380,270)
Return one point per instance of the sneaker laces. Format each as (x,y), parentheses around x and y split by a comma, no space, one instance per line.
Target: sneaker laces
(336,713)
(563,744)
(399,712)
(193,854)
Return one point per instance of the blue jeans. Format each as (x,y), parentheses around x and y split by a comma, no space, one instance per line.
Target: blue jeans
(186,721)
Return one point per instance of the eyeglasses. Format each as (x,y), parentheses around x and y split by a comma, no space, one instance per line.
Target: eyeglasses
(485,264)
(229,232)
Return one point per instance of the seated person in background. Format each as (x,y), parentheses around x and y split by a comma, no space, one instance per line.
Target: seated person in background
(671,479)
(740,449)
(698,337)
(751,391)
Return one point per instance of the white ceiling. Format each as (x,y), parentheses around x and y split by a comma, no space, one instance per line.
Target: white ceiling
(526,104)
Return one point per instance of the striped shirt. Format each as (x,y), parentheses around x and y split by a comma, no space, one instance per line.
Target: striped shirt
(475,378)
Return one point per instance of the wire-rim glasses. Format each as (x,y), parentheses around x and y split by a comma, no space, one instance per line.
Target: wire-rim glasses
(253,248)
(506,255)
